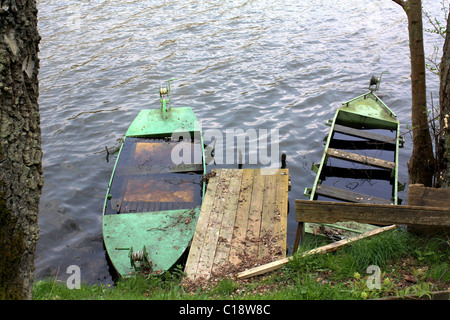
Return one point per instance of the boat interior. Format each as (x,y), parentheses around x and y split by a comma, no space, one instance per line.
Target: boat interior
(345,177)
(156,175)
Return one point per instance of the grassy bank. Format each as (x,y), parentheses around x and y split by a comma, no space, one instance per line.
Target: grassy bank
(408,265)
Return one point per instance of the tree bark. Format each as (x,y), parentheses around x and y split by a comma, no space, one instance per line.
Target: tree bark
(421,164)
(20,147)
(444,102)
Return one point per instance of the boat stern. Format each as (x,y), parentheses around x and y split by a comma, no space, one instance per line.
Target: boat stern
(150,122)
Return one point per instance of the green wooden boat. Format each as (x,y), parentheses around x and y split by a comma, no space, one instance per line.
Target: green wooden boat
(359,162)
(155,192)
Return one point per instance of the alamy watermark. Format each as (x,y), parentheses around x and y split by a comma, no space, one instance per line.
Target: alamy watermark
(74,280)
(374,280)
(231,146)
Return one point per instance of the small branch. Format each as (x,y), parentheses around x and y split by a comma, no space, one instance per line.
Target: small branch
(402,3)
(437,27)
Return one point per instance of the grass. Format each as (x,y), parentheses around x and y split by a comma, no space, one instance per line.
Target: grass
(406,265)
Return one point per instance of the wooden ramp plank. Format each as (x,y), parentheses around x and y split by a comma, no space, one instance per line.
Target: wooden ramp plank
(202,224)
(281,207)
(353,157)
(331,212)
(243,215)
(238,240)
(228,219)
(267,233)
(215,221)
(348,195)
(364,134)
(254,216)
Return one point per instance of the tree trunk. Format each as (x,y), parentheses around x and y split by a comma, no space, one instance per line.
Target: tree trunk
(421,164)
(20,147)
(444,102)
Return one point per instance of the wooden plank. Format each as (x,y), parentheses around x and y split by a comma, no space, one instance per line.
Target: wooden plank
(228,220)
(432,197)
(364,134)
(327,248)
(240,228)
(353,157)
(254,217)
(331,212)
(271,266)
(348,195)
(419,195)
(198,240)
(213,228)
(267,233)
(281,210)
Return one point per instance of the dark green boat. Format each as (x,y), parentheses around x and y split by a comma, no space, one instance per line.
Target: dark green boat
(360,160)
(155,193)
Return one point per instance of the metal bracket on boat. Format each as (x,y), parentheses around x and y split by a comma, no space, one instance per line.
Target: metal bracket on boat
(307,192)
(139,259)
(164,98)
(374,84)
(401,141)
(315,167)
(329,122)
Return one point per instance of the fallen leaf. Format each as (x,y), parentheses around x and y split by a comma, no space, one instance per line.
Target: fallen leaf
(409,278)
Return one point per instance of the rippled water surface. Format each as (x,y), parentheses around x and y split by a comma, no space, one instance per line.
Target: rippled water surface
(261,64)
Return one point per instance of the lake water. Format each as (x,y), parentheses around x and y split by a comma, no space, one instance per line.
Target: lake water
(262,64)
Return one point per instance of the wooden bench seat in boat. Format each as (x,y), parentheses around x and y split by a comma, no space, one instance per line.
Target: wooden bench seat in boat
(364,134)
(360,159)
(349,195)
